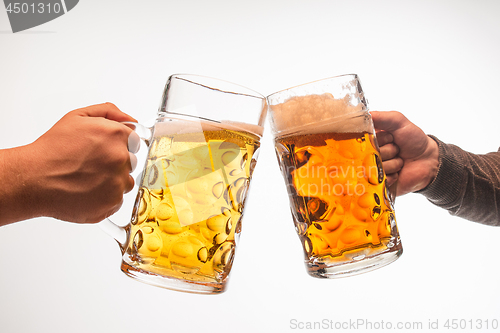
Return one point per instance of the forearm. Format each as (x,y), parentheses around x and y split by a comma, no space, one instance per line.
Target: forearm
(467,185)
(18,189)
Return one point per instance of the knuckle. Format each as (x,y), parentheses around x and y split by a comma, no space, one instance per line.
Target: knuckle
(116,129)
(120,159)
(115,200)
(394,149)
(129,184)
(110,105)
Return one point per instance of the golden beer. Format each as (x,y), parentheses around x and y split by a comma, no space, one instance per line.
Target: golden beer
(338,195)
(187,217)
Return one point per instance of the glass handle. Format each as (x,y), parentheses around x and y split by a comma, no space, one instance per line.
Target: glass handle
(393,192)
(145,133)
(117,230)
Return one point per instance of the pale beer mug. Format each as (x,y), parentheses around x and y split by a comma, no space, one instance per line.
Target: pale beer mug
(184,226)
(330,160)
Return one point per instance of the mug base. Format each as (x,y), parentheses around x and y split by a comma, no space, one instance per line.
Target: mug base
(357,264)
(172,283)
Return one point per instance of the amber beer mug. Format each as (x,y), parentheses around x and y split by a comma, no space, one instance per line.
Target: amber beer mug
(186,221)
(329,157)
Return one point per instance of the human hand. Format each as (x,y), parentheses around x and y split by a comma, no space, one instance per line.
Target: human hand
(77,171)
(409,156)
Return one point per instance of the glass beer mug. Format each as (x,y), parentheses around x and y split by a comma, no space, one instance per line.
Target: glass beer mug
(329,157)
(186,219)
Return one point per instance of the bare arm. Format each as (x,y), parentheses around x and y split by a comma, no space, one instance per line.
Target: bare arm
(77,171)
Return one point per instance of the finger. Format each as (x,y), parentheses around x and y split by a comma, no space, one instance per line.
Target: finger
(130,184)
(388,120)
(106,110)
(133,162)
(392,166)
(384,138)
(134,142)
(114,209)
(392,179)
(389,151)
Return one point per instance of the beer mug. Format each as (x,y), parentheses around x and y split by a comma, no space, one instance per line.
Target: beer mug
(329,157)
(184,226)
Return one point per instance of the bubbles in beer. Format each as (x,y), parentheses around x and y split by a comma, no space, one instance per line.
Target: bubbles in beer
(392,220)
(229,159)
(237,229)
(350,235)
(308,245)
(316,208)
(184,256)
(142,207)
(360,213)
(375,213)
(331,224)
(362,142)
(336,183)
(388,198)
(170,227)
(236,193)
(366,200)
(153,175)
(229,226)
(384,228)
(223,257)
(217,223)
(203,254)
(318,242)
(164,212)
(153,240)
(253,161)
(218,189)
(244,161)
(302,157)
(187,216)
(380,170)
(300,226)
(138,240)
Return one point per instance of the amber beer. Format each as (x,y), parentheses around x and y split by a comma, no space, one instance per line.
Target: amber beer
(187,217)
(340,203)
(337,187)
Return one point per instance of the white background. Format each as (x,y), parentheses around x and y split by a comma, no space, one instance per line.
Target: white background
(435,61)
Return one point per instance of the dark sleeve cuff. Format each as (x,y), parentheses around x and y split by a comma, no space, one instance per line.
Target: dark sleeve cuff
(450,182)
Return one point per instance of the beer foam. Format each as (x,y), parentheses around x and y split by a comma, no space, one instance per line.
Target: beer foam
(318,114)
(182,126)
(238,126)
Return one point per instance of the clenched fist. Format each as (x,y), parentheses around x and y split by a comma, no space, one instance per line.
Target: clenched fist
(77,171)
(409,156)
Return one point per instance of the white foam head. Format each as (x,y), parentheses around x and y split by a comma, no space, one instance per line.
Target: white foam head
(318,114)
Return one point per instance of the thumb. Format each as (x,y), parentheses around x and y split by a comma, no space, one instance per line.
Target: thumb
(388,120)
(105,110)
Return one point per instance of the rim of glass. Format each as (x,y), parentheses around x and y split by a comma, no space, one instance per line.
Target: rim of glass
(354,76)
(185,77)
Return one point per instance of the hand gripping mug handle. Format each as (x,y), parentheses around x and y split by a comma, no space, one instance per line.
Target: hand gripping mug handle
(119,230)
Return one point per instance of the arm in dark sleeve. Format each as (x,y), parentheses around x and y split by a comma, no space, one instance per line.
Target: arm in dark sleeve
(467,185)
